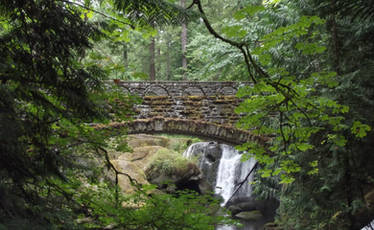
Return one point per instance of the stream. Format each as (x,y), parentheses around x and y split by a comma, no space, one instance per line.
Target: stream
(222,164)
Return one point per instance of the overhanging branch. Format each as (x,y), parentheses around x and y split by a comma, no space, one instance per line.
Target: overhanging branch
(97,12)
(239,45)
(240,184)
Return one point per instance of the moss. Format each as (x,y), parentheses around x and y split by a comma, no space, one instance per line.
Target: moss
(226,100)
(152,98)
(222,101)
(161,102)
(156,114)
(195,98)
(159,109)
(167,162)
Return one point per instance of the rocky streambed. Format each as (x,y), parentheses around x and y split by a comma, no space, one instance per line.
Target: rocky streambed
(205,167)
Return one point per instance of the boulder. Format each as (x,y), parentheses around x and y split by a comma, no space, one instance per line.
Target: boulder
(266,207)
(144,148)
(134,165)
(249,215)
(171,172)
(271,226)
(208,155)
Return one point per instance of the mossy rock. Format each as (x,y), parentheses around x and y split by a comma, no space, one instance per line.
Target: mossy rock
(168,169)
(195,98)
(132,169)
(149,151)
(154,97)
(169,163)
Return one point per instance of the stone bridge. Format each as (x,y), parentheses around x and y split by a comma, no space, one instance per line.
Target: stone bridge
(204,109)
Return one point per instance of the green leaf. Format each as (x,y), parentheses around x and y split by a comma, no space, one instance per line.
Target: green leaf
(250,10)
(359,129)
(234,31)
(304,146)
(310,48)
(265,172)
(337,139)
(286,179)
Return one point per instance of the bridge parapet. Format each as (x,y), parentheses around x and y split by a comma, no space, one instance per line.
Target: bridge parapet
(181,88)
(206,101)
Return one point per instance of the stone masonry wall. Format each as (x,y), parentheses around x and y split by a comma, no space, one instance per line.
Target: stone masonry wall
(207,101)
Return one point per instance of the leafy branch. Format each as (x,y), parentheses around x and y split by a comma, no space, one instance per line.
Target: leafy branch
(98,12)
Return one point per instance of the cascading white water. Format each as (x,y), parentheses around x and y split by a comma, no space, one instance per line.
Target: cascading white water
(195,149)
(369,227)
(189,153)
(231,172)
(227,173)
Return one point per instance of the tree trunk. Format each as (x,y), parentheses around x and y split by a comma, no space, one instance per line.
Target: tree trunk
(184,43)
(125,56)
(152,70)
(335,40)
(168,61)
(158,64)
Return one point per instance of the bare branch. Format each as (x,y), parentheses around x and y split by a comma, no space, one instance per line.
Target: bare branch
(240,184)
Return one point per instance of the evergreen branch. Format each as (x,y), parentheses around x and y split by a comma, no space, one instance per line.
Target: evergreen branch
(111,166)
(191,5)
(236,44)
(210,28)
(133,181)
(98,12)
(247,61)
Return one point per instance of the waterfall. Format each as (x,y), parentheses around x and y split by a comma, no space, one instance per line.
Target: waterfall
(227,175)
(369,226)
(221,165)
(195,149)
(231,172)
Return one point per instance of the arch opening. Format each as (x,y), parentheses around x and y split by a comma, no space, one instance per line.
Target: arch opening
(202,129)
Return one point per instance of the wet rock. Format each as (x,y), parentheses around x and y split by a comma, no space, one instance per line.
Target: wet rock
(271,226)
(249,215)
(208,155)
(266,207)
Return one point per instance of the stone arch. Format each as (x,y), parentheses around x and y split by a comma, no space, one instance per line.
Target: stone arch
(126,90)
(227,90)
(156,90)
(194,91)
(209,130)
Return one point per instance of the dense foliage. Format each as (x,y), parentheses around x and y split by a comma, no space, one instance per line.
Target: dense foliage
(51,159)
(311,98)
